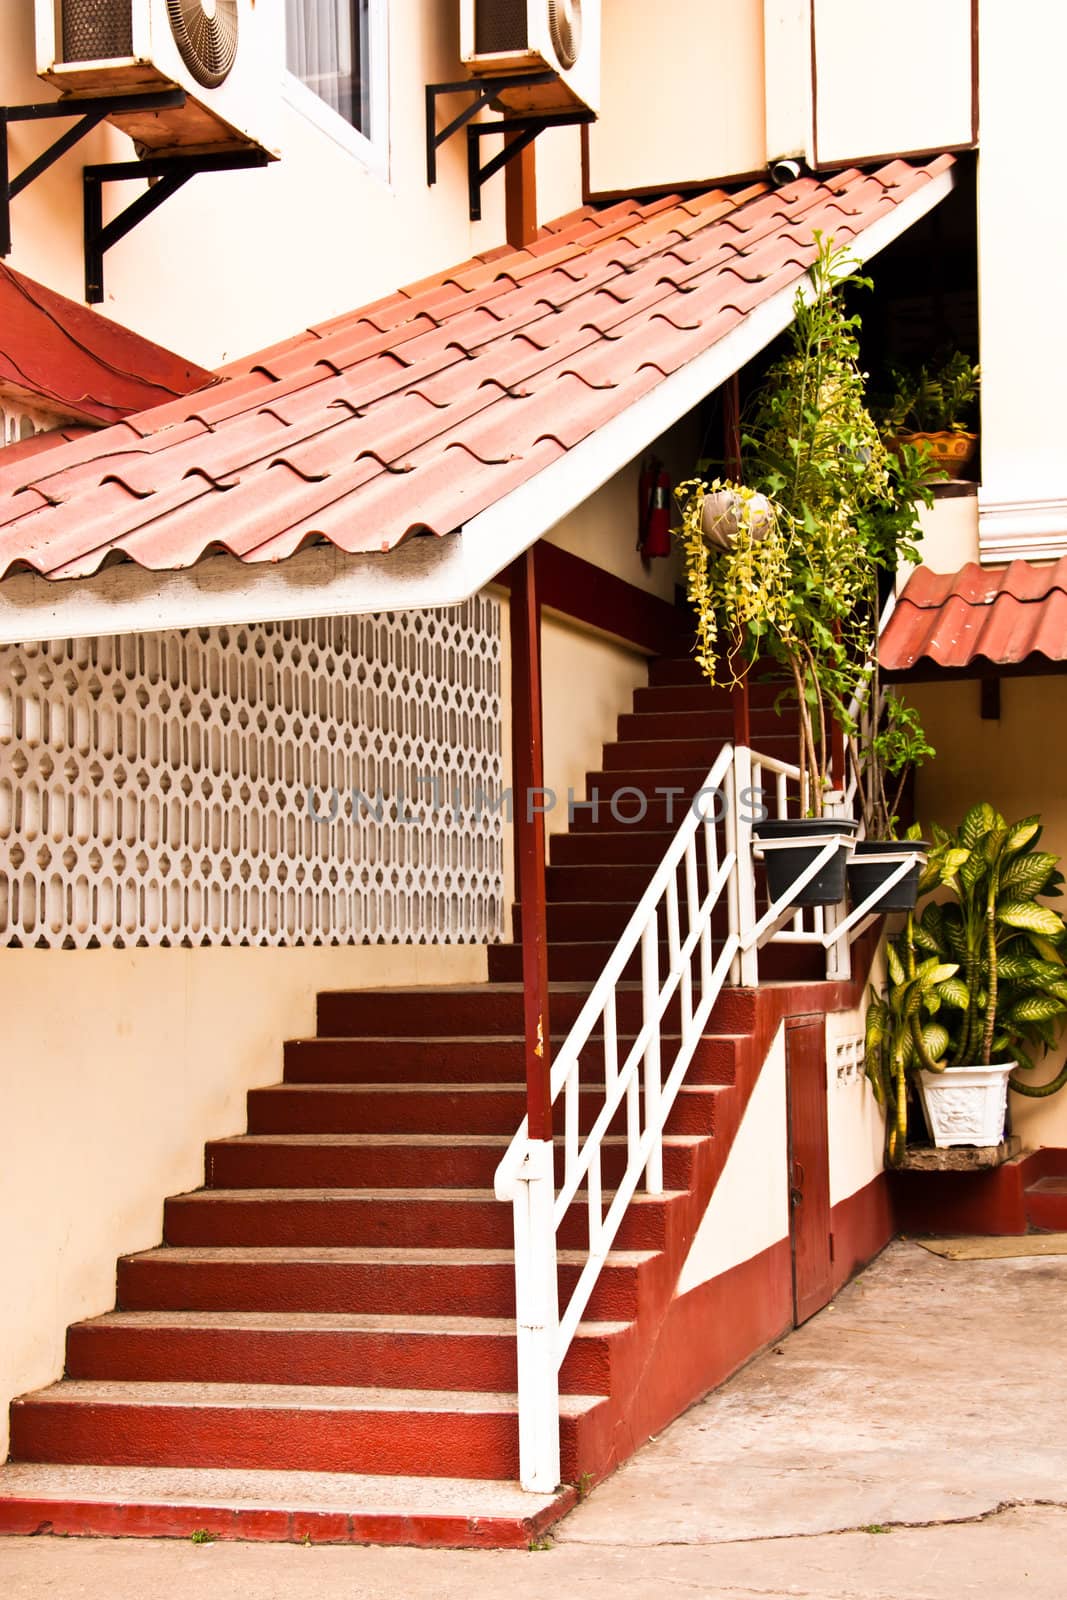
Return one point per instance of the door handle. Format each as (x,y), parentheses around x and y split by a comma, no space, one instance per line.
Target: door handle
(798,1174)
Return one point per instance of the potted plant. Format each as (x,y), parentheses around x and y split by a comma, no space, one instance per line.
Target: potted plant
(976,984)
(931,409)
(783,568)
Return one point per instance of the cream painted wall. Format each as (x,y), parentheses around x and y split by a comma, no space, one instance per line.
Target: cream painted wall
(856,1123)
(1020,765)
(118,1065)
(749,1207)
(703,59)
(1024,334)
(576,725)
(949,535)
(237,260)
(588,682)
(918,97)
(604,529)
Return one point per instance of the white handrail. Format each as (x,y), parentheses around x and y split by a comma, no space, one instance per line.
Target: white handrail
(526,1175)
(640,1089)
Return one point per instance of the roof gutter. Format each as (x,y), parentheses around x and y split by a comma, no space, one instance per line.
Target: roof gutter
(422,572)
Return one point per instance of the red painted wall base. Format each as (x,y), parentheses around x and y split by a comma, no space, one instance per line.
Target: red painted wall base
(993,1202)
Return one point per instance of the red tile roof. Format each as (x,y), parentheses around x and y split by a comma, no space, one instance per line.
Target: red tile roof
(426,407)
(979,616)
(79,364)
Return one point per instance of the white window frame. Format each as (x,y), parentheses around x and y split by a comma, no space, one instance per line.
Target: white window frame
(373,152)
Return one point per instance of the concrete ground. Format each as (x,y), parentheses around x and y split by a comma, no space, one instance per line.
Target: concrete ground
(909,1443)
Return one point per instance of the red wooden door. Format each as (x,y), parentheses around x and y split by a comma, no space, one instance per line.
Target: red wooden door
(809,1165)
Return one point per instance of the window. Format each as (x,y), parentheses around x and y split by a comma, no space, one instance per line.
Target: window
(335,52)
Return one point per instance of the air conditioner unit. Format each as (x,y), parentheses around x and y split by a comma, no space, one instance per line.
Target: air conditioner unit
(501,37)
(226,55)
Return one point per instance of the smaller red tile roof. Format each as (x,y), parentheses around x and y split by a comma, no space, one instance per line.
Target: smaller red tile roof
(78,364)
(978,617)
(412,415)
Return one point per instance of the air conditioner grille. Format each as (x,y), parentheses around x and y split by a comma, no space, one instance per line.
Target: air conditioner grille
(565,26)
(500,27)
(205,32)
(97,30)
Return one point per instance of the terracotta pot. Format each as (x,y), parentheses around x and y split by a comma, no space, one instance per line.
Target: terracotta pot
(722,515)
(951,453)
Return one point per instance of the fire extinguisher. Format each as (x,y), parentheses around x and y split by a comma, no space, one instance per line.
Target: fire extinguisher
(654,510)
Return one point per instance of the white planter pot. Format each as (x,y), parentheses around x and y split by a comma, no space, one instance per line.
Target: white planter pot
(966,1105)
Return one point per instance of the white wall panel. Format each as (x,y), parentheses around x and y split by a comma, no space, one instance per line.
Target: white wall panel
(891,79)
(682,94)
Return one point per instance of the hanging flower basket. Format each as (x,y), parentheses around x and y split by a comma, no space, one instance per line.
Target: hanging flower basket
(727,511)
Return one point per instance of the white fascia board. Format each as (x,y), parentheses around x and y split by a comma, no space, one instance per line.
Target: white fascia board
(318,582)
(1021,530)
(425,571)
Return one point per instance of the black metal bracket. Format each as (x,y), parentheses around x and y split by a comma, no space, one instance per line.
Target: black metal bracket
(166,175)
(521,130)
(90,113)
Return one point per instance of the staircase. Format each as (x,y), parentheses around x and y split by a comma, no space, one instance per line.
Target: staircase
(323,1347)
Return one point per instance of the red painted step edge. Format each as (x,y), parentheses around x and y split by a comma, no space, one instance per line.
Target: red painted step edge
(115,1520)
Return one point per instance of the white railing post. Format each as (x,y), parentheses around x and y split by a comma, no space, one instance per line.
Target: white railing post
(653,1080)
(838,949)
(741,806)
(537,1319)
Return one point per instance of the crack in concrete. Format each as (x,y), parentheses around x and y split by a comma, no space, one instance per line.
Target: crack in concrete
(998,1510)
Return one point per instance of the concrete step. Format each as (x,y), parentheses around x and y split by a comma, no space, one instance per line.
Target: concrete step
(433,1109)
(657,751)
(299,1507)
(388,1218)
(299,1347)
(716,725)
(424,1432)
(445,1059)
(585,960)
(457,1060)
(351,1160)
(611,847)
(327,1278)
(648,782)
(573,921)
(483,1008)
(1046,1204)
(486,1009)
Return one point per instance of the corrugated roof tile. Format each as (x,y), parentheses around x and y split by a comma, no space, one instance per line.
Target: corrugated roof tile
(978,618)
(416,411)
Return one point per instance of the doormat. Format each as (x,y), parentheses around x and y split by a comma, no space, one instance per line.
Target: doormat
(997,1249)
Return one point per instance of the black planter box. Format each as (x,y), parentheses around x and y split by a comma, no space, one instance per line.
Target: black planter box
(871,865)
(805,838)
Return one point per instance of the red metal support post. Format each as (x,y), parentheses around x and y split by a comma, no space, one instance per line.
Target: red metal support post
(528,784)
